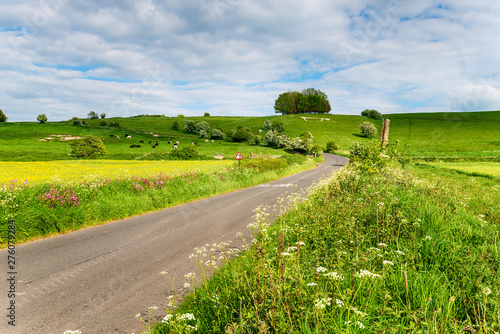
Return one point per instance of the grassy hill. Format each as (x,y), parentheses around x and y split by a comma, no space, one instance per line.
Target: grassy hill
(427,134)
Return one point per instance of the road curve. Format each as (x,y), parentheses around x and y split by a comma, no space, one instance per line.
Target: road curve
(96,280)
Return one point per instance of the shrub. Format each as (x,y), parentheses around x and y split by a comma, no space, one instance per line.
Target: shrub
(84,122)
(207,114)
(369,156)
(190,126)
(204,134)
(257,140)
(368,129)
(315,149)
(217,134)
(278,127)
(42,118)
(180,116)
(103,123)
(92,115)
(331,146)
(114,124)
(242,134)
(372,113)
(271,138)
(267,125)
(3,118)
(175,125)
(103,116)
(303,143)
(87,147)
(202,126)
(76,121)
(185,153)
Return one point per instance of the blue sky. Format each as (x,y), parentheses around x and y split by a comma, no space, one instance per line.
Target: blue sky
(234,57)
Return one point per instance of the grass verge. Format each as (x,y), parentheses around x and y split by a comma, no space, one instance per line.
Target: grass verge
(365,253)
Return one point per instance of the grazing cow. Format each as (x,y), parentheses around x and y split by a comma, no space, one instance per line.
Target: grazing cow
(132,146)
(149,142)
(118,137)
(126,135)
(176,143)
(169,142)
(141,142)
(212,141)
(192,143)
(111,135)
(157,143)
(206,140)
(129,137)
(175,146)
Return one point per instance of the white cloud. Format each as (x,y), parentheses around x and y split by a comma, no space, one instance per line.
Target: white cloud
(65,58)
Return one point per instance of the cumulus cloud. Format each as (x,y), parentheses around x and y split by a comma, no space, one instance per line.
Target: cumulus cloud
(234,57)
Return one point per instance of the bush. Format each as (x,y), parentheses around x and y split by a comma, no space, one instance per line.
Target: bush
(84,122)
(369,156)
(368,129)
(186,153)
(76,121)
(242,134)
(92,115)
(207,114)
(103,123)
(190,126)
(114,124)
(87,147)
(278,127)
(103,116)
(204,134)
(267,125)
(3,118)
(271,138)
(217,134)
(331,146)
(257,140)
(180,116)
(315,149)
(42,118)
(175,125)
(372,113)
(202,126)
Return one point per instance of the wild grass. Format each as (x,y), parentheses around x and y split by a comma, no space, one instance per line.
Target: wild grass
(364,253)
(60,207)
(486,169)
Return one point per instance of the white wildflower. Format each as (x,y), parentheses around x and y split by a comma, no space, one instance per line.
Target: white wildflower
(291,249)
(163,273)
(322,303)
(381,244)
(428,237)
(312,284)
(187,285)
(375,249)
(399,252)
(186,316)
(152,308)
(334,276)
(138,315)
(167,318)
(190,276)
(339,303)
(321,269)
(487,291)
(365,273)
(360,325)
(387,263)
(300,243)
(285,254)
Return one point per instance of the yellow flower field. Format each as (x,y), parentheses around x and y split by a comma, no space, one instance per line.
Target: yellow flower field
(73,171)
(485,168)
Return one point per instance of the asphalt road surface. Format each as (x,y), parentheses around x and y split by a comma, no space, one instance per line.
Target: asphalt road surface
(96,280)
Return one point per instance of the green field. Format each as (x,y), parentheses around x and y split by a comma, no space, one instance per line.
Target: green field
(487,169)
(429,134)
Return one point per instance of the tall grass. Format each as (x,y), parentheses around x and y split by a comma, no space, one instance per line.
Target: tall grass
(364,253)
(52,208)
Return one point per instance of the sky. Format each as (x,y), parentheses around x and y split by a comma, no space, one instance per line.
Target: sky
(65,58)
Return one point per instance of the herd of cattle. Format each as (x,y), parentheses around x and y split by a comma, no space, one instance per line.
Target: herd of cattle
(156,144)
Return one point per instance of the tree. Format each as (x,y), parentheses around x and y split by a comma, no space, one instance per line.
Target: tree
(92,115)
(217,134)
(190,126)
(103,123)
(368,129)
(207,114)
(42,118)
(242,134)
(372,113)
(175,125)
(310,100)
(87,147)
(3,118)
(103,116)
(76,121)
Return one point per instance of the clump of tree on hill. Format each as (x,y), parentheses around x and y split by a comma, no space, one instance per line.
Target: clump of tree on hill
(308,101)
(87,147)
(372,113)
(42,118)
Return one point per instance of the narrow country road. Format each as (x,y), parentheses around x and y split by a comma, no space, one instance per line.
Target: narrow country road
(96,280)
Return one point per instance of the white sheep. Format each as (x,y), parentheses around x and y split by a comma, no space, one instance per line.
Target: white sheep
(212,141)
(206,140)
(129,137)
(118,137)
(177,143)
